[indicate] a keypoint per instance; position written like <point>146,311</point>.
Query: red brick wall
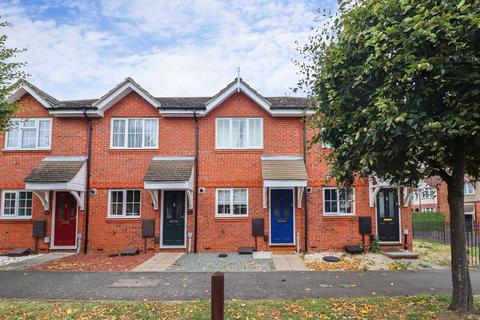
<point>124,169</point>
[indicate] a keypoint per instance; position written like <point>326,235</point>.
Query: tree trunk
<point>462,297</point>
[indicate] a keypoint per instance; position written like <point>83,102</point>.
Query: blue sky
<point>81,49</point>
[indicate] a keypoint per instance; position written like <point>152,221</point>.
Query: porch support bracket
<point>265,191</point>
<point>299,196</point>
<point>373,194</point>
<point>80,197</point>
<point>154,195</point>
<point>407,196</point>
<point>44,199</point>
<point>190,199</point>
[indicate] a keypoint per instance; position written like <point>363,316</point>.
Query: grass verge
<point>412,307</point>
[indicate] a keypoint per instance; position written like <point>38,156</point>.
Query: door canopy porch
<point>170,173</point>
<point>284,172</point>
<point>59,174</point>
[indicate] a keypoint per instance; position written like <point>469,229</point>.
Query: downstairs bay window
<point>338,201</point>
<point>124,203</point>
<point>231,203</point>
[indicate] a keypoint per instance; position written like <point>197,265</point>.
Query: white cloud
<point>169,47</point>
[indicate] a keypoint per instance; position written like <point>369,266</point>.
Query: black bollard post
<point>218,296</point>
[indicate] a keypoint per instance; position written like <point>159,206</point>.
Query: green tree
<point>397,85</point>
<point>10,72</point>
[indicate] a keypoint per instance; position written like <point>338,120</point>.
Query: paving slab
<point>36,261</point>
<point>159,262</point>
<point>262,255</point>
<point>288,262</point>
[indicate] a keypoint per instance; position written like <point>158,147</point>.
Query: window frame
<point>3,216</point>
<point>124,205</point>
<point>466,188</point>
<point>125,145</point>
<point>229,215</point>
<point>247,135</point>
<point>37,134</point>
<point>338,214</point>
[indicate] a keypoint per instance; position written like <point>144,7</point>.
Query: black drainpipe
<point>305,194</point>
<point>195,232</point>
<point>87,193</point>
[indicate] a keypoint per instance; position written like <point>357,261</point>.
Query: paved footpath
<point>239,285</point>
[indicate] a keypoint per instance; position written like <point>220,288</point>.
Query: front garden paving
<point>94,262</point>
<point>211,262</point>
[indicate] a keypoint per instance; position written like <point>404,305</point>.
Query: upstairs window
<point>136,133</point>
<point>239,133</point>
<point>29,134</point>
<point>428,193</point>
<point>17,204</point>
<point>338,201</point>
<point>468,189</point>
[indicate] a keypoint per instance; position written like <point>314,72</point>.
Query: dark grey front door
<point>173,218</point>
<point>388,215</point>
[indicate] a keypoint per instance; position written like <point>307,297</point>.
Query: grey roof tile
<point>284,170</point>
<point>169,170</point>
<point>54,171</point>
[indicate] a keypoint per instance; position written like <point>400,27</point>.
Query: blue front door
<point>281,216</point>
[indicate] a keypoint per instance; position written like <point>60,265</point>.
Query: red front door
<point>65,219</point>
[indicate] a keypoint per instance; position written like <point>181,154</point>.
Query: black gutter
<point>87,193</point>
<point>305,196</point>
<point>195,231</point>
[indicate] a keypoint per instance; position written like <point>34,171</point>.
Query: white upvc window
<point>428,209</point>
<point>124,203</point>
<point>231,203</point>
<point>468,189</point>
<point>338,201</point>
<point>134,133</point>
<point>239,133</point>
<point>428,193</point>
<point>16,204</point>
<point>29,134</point>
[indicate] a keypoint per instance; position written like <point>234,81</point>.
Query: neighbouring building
<point>424,197</point>
<point>471,193</point>
<point>189,173</point>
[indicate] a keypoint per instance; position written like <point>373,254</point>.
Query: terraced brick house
<point>102,174</point>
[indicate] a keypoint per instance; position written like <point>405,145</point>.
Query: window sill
<point>134,149</point>
<point>26,150</point>
<point>339,215</point>
<point>123,218</point>
<point>3,218</point>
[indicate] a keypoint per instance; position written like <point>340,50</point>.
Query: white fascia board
<point>181,113</point>
<point>291,113</point>
<point>284,183</point>
<point>120,93</point>
<point>74,113</point>
<point>53,186</point>
<point>230,91</point>
<point>24,90</point>
<point>166,185</point>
